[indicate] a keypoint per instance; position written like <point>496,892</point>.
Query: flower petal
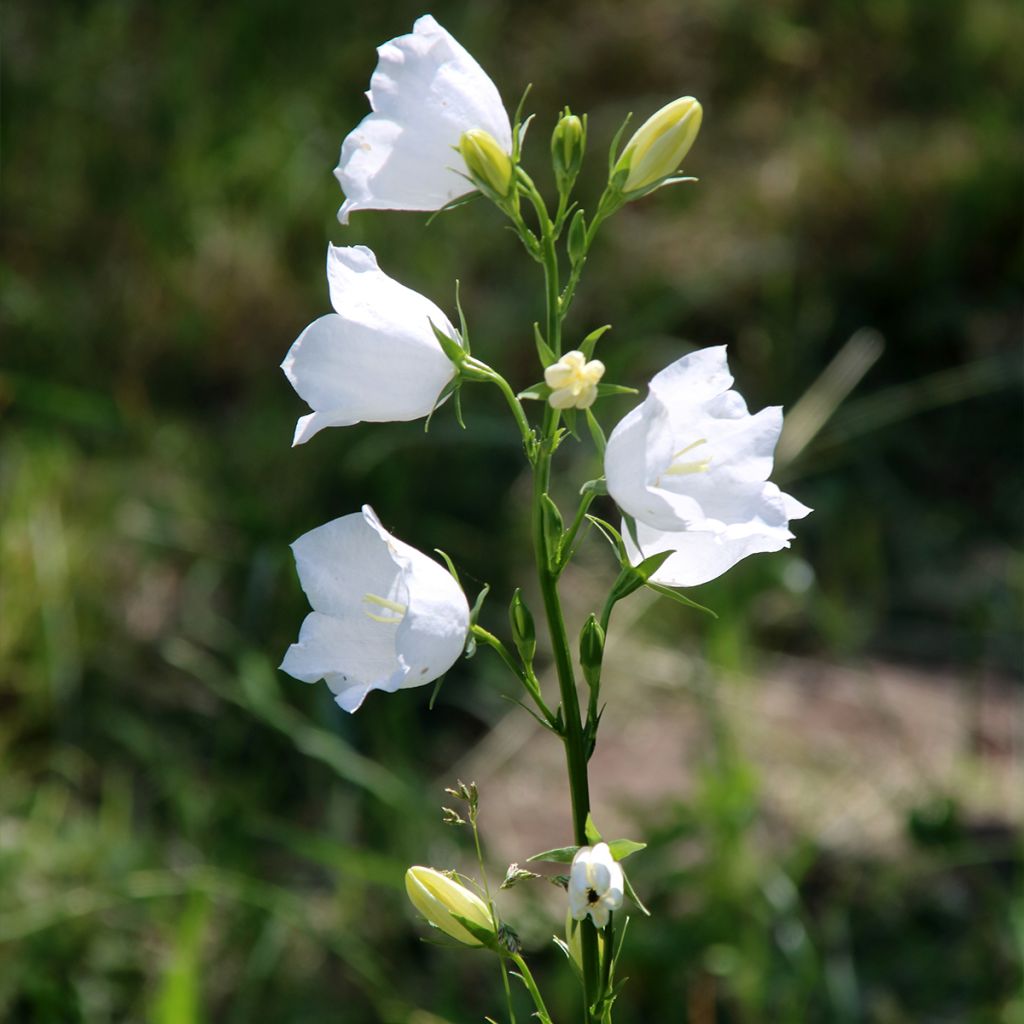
<point>425,92</point>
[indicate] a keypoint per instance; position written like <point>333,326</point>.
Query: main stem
<point>575,749</point>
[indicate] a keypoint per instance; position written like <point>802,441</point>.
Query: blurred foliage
<point>185,834</point>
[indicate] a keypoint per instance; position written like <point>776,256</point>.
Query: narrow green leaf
<point>544,350</point>
<point>611,535</point>
<point>633,896</point>
<point>559,855</point>
<point>603,390</point>
<point>588,343</point>
<point>597,433</point>
<point>537,392</point>
<point>593,836</point>
<point>674,595</point>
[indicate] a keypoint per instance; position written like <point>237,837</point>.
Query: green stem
<point>531,987</point>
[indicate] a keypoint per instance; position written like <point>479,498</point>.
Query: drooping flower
<point>596,884</point>
<point>573,381</point>
<point>691,466</point>
<point>385,616</point>
<point>425,93</point>
<point>375,358</point>
<point>442,900</point>
<point>658,146</point>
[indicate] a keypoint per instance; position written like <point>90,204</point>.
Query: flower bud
<point>658,146</point>
<point>443,902</point>
<point>524,634</point>
<point>577,237</point>
<point>568,141</point>
<point>488,164</point>
<point>591,651</point>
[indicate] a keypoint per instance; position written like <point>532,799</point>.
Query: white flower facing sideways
<point>375,358</point>
<point>595,884</point>
<point>691,466</point>
<point>425,93</point>
<point>385,616</point>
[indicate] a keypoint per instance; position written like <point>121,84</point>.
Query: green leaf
<point>611,535</point>
<point>603,390</point>
<point>559,855</point>
<point>463,327</point>
<point>588,343</point>
<point>593,836</point>
<point>551,520</point>
<point>597,486</point>
<point>623,848</point>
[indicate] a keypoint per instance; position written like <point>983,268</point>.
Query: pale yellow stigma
<point>573,381</point>
<point>391,606</point>
<point>677,468</point>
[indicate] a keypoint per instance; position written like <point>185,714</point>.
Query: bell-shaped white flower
<point>385,616</point>
<point>425,93</point>
<point>596,884</point>
<point>691,466</point>
<point>375,358</point>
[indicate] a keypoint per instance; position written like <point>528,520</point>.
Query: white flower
<point>375,358</point>
<point>385,616</point>
<point>574,381</point>
<point>425,93</point>
<point>691,466</point>
<point>595,884</point>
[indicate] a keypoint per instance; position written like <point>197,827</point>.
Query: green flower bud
<point>591,651</point>
<point>568,141</point>
<point>524,635</point>
<point>658,146</point>
<point>577,237</point>
<point>443,901</point>
<point>488,164</point>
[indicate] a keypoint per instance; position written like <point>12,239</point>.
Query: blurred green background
<point>188,835</point>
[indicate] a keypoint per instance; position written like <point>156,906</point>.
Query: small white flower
<point>691,466</point>
<point>595,884</point>
<point>425,93</point>
<point>573,381</point>
<point>375,358</point>
<point>385,616</point>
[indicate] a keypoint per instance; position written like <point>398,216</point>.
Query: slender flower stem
<point>531,987</point>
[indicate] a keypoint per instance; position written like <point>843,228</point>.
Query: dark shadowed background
<point>829,774</point>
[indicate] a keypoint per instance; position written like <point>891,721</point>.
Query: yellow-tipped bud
<point>443,901</point>
<point>488,164</point>
<point>658,146</point>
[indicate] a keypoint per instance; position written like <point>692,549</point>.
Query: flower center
<point>592,896</point>
<point>680,467</point>
<point>399,610</point>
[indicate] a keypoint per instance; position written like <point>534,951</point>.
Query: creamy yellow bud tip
<point>488,164</point>
<point>659,145</point>
<point>442,900</point>
<point>573,381</point>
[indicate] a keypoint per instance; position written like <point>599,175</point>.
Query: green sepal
<point>590,830</point>
<point>603,390</point>
<point>597,486</point>
<point>524,634</point>
<point>569,418</point>
<point>463,327</point>
<point>453,204</point>
<point>559,855</point>
<point>674,595</point>
<point>440,679</point>
<point>611,535</point>
<point>518,127</point>
<point>597,435</point>
<point>478,931</point>
<point>451,348</point>
<point>588,344</point>
<point>631,893</point>
<point>613,153</point>
<point>544,350</point>
<point>450,564</point>
<point>564,947</point>
<point>623,848</point>
<point>474,612</point>
<point>535,392</point>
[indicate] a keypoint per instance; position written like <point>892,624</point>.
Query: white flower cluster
<point>689,465</point>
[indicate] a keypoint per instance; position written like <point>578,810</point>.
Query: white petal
<point>697,377</point>
<point>599,914</point>
<point>342,561</point>
<point>376,358</point>
<point>701,556</point>
<point>425,93</point>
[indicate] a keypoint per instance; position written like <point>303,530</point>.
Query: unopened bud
<point>591,651</point>
<point>450,906</point>
<point>524,635</point>
<point>568,141</point>
<point>488,164</point>
<point>658,146</point>
<point>577,237</point>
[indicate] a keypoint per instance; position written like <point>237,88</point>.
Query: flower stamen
<point>391,606</point>
<point>677,468</point>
